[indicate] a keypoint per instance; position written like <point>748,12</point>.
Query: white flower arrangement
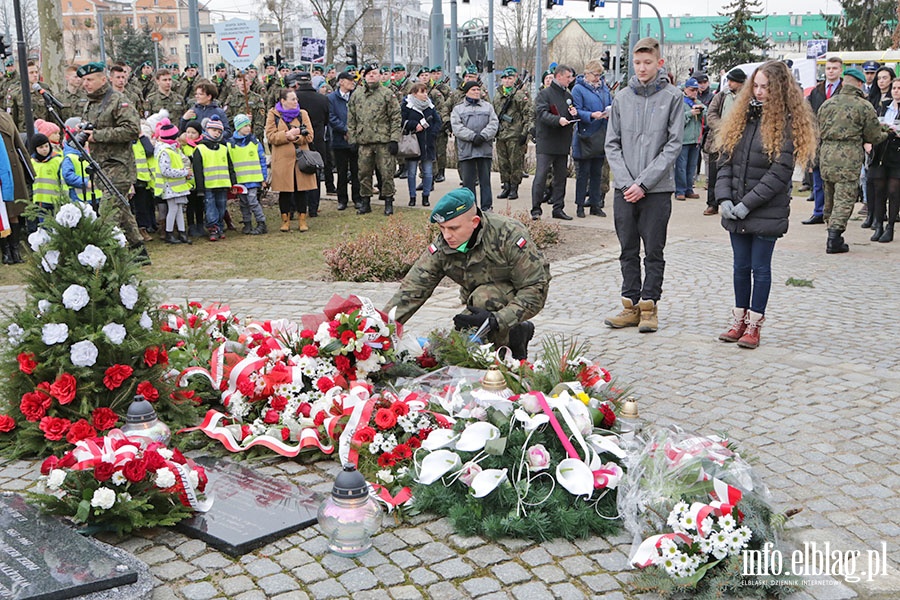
<point>165,478</point>
<point>14,334</point>
<point>55,479</point>
<point>129,295</point>
<point>120,238</point>
<point>50,261</point>
<point>103,498</point>
<point>38,239</point>
<point>69,215</point>
<point>54,333</point>
<point>146,322</point>
<point>115,333</point>
<point>92,257</point>
<point>75,297</point>
<point>84,354</point>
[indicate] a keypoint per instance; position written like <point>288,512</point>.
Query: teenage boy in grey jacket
<point>646,124</point>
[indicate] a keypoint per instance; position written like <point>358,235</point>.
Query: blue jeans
<point>427,176</point>
<point>587,182</point>
<point>752,256</point>
<point>214,201</point>
<point>818,193</point>
<point>686,169</point>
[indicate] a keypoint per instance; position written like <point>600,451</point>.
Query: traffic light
<point>605,60</point>
<point>592,4</point>
<point>278,57</point>
<point>702,61</point>
<point>5,49</point>
<point>352,56</point>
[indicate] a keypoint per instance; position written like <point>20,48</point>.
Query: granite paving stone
<point>278,583</point>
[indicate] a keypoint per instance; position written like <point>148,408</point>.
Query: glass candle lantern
<point>349,517</point>
<point>141,422</point>
<point>630,421</point>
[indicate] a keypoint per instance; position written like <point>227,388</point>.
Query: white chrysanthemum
<point>129,295</point>
<point>119,478</point>
<point>120,238</point>
<point>670,566</point>
<point>166,453</point>
<point>55,479</point>
<point>193,479</point>
<point>103,497</point>
<point>389,443</point>
<point>115,333</point>
<point>165,478</point>
<point>69,215</point>
<point>402,471</point>
<point>38,239</point>
<point>50,261</point>
<point>408,422</point>
<point>706,525</point>
<point>54,333</point>
<point>687,522</point>
<point>92,257</point>
<point>727,522</point>
<point>43,306</point>
<point>75,297</point>
<point>705,545</point>
<point>385,476</point>
<point>88,211</point>
<point>375,444</point>
<point>83,354</point>
<point>14,333</point>
<point>373,363</point>
<point>146,322</point>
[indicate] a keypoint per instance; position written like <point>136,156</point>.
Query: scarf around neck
<point>288,114</point>
<point>419,105</point>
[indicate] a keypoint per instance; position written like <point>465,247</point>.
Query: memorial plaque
<point>41,558</point>
<point>249,510</point>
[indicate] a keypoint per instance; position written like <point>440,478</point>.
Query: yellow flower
<point>583,397</point>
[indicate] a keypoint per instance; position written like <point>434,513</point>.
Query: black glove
<point>474,318</point>
<point>478,139</point>
<point>304,131</point>
<point>523,139</point>
<point>393,148</point>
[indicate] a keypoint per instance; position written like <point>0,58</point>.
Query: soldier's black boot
<point>13,241</point>
<point>342,204</point>
<point>365,205</point>
<point>836,244</point>
<point>388,207</point>
<point>504,193</point>
<point>888,235</point>
<point>879,231</point>
<point>7,251</point>
<point>519,336</point>
<point>513,192</point>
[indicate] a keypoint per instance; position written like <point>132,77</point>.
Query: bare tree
<point>30,25</point>
<point>281,11</point>
<point>339,19</point>
<point>679,60</point>
<point>515,30</point>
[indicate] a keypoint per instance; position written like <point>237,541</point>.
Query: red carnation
<point>400,408</point>
<point>342,363</point>
<point>310,350</point>
<point>246,387</point>
<point>347,337</point>
<point>332,328</point>
<point>103,471</point>
<point>202,479</point>
<point>364,435</point>
<point>146,389</point>
<point>192,321</point>
<point>68,460</point>
<point>54,428</point>
<point>424,433</point>
<point>104,418</point>
<point>194,304</point>
<point>304,409</point>
<point>271,417</point>
<point>135,470</point>
<point>163,356</point>
<point>154,460</point>
<point>387,460</point>
<point>320,418</point>
<point>307,334</point>
<point>324,384</point>
<point>63,389</point>
<point>49,464</point>
<point>385,418</point>
<point>151,356</point>
<point>27,363</point>
<point>80,430</point>
<point>609,417</point>
<point>179,396</point>
<point>7,423</point>
<point>115,375</point>
<point>280,373</point>
<point>285,434</point>
<point>34,406</point>
<point>426,361</point>
<point>402,452</point>
<point>414,442</point>
<point>279,403</point>
<point>363,353</point>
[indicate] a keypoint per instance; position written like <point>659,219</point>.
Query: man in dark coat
<point>316,106</point>
<point>554,117</point>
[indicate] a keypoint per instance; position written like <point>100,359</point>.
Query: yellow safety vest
<point>188,152</point>
<point>48,185</point>
<point>215,166</point>
<point>80,168</point>
<point>179,185</point>
<point>143,163</point>
<point>245,160</point>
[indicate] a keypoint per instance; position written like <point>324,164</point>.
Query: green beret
<point>349,68</point>
<point>329,67</point>
<point>93,67</point>
<point>284,66</point>
<point>509,72</point>
<point>192,66</point>
<point>384,70</point>
<point>471,70</point>
<point>398,68</point>
<point>855,73</point>
<point>270,63</point>
<point>452,205</point>
<point>423,70</point>
<point>174,66</point>
<point>437,69</point>
<point>146,63</point>
<point>221,65</point>
<point>318,68</point>
<point>10,62</point>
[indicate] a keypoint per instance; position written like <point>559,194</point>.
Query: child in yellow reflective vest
<point>143,201</point>
<point>213,174</point>
<point>249,162</point>
<point>196,216</point>
<point>48,189</point>
<point>171,179</point>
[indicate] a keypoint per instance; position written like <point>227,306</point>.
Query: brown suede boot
<point>648,322</point>
<point>738,325</point>
<point>285,223</point>
<point>750,339</point>
<point>303,225</point>
<point>629,317</point>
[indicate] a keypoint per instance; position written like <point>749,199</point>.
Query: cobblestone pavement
<point>816,404</point>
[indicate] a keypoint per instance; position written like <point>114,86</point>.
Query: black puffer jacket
<point>887,153</point>
<point>764,187</point>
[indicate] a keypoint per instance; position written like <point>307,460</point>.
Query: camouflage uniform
<point>116,127</point>
<point>223,85</point>
<point>502,272</point>
<point>514,125</point>
<point>186,88</point>
<point>15,108</point>
<point>373,120</point>
<point>8,79</point>
<point>174,103</point>
<point>141,86</point>
<point>73,104</point>
<point>257,87</point>
<point>253,106</point>
<point>846,122</point>
<point>438,98</point>
<point>275,93</point>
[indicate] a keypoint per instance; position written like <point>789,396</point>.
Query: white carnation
<point>88,211</point>
<point>92,257</point>
<point>129,295</point>
<point>54,333</point>
<point>15,334</point>
<point>69,215</point>
<point>55,479</point>
<point>50,261</point>
<point>165,478</point>
<point>43,306</point>
<point>75,297</point>
<point>385,476</point>
<point>103,497</point>
<point>193,479</point>
<point>146,322</point>
<point>120,238</point>
<point>38,238</point>
<point>83,354</point>
<point>114,332</point>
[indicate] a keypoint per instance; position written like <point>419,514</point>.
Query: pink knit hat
<point>46,127</point>
<point>166,131</point>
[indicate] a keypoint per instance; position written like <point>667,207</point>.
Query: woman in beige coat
<point>288,128</point>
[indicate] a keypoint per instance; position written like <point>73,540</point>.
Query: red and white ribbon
<point>88,453</point>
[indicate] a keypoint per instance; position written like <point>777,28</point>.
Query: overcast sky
<point>231,9</point>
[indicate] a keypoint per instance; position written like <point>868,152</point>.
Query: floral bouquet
<point>113,482</point>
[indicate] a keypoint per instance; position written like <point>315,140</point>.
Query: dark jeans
<point>479,168</point>
<point>345,161</point>
<point>712,173</point>
<point>144,203</point>
<point>196,213</point>
<point>645,221</point>
<point>587,182</point>
<point>752,256</point>
<point>818,193</point>
<point>686,169</point>
<point>558,164</point>
<point>329,168</point>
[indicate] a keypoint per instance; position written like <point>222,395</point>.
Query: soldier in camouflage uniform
<point>164,97</point>
<point>440,88</point>
<point>269,78</point>
<point>256,86</point>
<point>847,122</point>
<point>274,94</point>
<point>14,99</point>
<point>116,127</point>
<point>72,97</point>
<point>503,277</point>
<point>10,76</point>
<point>187,82</point>
<point>515,121</point>
<point>373,125</point>
<point>143,84</point>
<point>399,82</point>
<point>244,101</point>
<point>118,77</point>
<point>223,84</point>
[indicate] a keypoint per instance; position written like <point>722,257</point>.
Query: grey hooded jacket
<point>646,124</point>
<point>466,120</point>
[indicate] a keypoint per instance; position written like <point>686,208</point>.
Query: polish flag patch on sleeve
<point>432,248</point>
<point>521,243</point>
